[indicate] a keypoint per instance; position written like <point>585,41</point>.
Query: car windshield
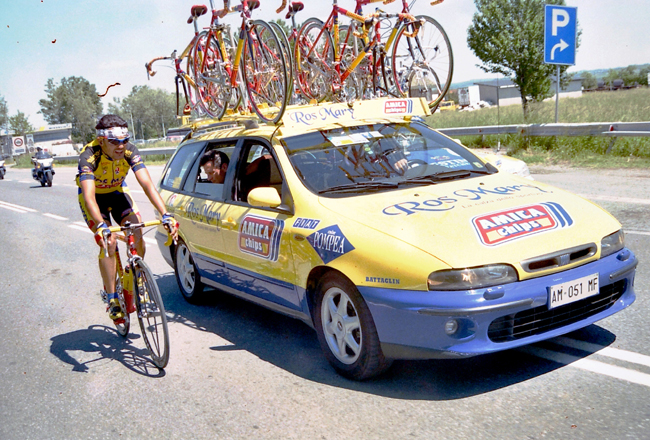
<point>378,157</point>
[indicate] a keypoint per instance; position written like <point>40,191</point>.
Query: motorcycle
<point>43,170</point>
<point>3,170</point>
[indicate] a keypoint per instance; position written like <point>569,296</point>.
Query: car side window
<point>208,174</point>
<point>183,159</point>
<point>258,169</point>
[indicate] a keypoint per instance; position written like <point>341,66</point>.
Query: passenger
<point>214,164</point>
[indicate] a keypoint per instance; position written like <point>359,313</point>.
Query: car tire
<point>346,330</point>
<point>187,276</point>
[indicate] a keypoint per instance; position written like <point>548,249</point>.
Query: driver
<point>103,166</point>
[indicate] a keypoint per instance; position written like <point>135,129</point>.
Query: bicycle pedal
<point>104,296</point>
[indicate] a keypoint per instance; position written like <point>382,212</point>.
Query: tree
<point>75,102</point>
<point>152,111</point>
<point>19,124</point>
<point>4,112</point>
<point>508,37</point>
<point>589,81</point>
<point>612,75</point>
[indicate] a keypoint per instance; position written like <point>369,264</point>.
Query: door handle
<point>229,223</point>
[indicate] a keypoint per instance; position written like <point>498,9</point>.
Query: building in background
<point>55,139</point>
<point>504,92</point>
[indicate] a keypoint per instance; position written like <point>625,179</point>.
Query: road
<point>239,371</point>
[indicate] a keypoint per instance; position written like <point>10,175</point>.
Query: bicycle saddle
<point>253,4</point>
<point>293,8</point>
<point>197,11</point>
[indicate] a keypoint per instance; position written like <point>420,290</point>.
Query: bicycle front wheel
<point>265,72</point>
<point>151,314</point>
<point>422,62</point>
<point>314,60</point>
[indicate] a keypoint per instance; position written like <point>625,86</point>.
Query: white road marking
<point>24,181</point>
<point>11,205</point>
<point>150,240</point>
<point>615,199</point>
<point>637,232</point>
<point>590,365</point>
<point>54,216</point>
<point>11,208</point>
<point>614,353</point>
<point>80,228</point>
<point>80,224</point>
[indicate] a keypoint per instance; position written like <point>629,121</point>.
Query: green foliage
<point>75,102</point>
<point>610,106</point>
<point>4,112</point>
<point>19,124</point>
<point>508,37</point>
<point>589,81</point>
<point>152,112</point>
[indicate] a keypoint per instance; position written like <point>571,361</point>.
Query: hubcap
<point>341,325</point>
<point>185,269</point>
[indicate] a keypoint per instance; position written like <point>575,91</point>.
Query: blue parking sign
<point>560,24</point>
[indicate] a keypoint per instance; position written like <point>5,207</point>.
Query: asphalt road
<point>239,371</point>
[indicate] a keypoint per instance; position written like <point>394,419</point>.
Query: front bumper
<point>411,324</point>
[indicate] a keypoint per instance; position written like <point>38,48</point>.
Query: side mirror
<point>264,197</point>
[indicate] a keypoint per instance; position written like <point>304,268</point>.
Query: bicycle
<point>138,291</point>
<point>258,52</point>
<point>337,56</point>
<point>192,103</point>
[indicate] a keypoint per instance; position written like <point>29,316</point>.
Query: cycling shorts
<point>119,204</point>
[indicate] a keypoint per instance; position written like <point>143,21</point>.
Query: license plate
<point>572,291</point>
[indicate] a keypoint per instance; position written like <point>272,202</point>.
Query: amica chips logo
<point>502,226</point>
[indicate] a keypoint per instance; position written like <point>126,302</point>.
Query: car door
<point>256,240</point>
<point>201,212</point>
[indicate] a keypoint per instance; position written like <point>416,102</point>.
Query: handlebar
<point>436,2</point>
<point>132,227</point>
<point>284,3</point>
<point>150,71</point>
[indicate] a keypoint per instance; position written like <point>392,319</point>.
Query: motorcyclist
<point>40,154</point>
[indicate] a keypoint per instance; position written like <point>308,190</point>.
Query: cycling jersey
<point>111,192</point>
<point>108,174</point>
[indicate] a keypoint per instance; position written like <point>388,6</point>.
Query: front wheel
<point>151,314</point>
<point>346,330</point>
<point>48,178</point>
<point>187,276</point>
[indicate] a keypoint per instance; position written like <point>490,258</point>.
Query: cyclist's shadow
<point>99,343</point>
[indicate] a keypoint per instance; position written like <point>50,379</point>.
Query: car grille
<point>540,319</point>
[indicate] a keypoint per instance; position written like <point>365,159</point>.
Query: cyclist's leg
<point>125,210</point>
<point>106,264</point>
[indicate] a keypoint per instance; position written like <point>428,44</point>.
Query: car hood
<point>471,222</point>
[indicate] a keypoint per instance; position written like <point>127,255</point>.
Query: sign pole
<point>557,94</point>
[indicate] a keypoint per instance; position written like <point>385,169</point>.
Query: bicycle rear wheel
<point>286,51</point>
<point>314,60</point>
<point>151,314</point>
<point>422,65</point>
<point>212,80</point>
<point>265,72</point>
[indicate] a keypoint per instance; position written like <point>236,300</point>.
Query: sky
<point>109,41</point>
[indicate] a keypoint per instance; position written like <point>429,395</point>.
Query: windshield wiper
<point>360,186</point>
<point>439,177</point>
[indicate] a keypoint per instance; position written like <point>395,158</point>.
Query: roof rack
<point>201,127</point>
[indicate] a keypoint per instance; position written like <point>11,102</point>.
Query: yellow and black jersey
<point>108,174</point>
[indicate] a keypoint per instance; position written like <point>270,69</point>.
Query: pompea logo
<point>503,226</point>
<point>398,106</point>
<point>330,243</point>
<point>260,236</point>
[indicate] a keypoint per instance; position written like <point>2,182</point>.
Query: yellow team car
<point>390,239</point>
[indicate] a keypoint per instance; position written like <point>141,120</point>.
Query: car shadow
<point>292,345</point>
<point>100,344</point>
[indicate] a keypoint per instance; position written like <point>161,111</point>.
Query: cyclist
<point>103,166</point>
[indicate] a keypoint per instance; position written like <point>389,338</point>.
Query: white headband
<point>113,132</point>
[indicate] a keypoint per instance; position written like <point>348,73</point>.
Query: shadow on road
<point>292,345</point>
<point>100,343</point>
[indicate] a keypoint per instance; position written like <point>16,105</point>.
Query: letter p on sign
<point>560,19</point>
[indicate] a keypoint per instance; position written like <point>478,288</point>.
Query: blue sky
<point>109,41</point>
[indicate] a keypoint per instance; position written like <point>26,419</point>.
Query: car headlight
<point>472,278</point>
<point>612,243</point>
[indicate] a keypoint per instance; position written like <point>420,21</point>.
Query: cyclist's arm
<point>88,191</point>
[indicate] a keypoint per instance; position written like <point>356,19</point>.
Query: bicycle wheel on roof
<point>210,75</point>
<point>422,61</point>
<point>314,60</point>
<point>265,72</point>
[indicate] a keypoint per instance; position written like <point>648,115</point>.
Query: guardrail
<point>607,129</point>
<point>143,152</point>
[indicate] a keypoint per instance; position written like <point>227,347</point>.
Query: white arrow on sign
<point>561,45</point>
